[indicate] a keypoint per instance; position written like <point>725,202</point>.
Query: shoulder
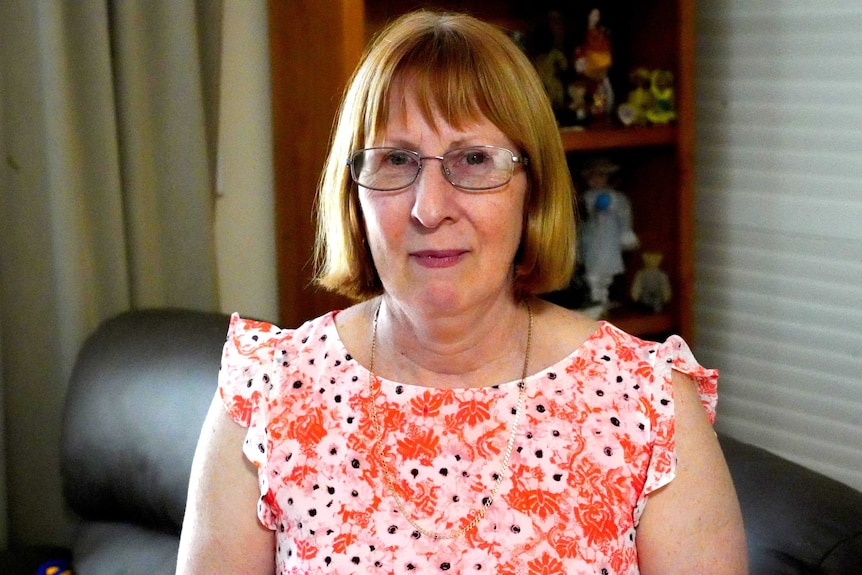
<point>251,337</point>
<point>253,341</point>
<point>248,348</point>
<point>253,347</point>
<point>558,332</point>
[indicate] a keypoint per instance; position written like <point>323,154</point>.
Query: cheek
<point>508,220</point>
<point>382,220</point>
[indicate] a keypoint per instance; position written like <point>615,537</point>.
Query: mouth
<point>438,258</point>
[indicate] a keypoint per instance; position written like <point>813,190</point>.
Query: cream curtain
<point>107,134</point>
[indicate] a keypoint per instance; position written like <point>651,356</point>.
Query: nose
<point>433,195</point>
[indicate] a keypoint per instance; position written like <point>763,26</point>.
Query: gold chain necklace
<point>504,468</point>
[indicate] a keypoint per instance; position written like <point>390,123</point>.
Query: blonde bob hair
<point>461,70</point>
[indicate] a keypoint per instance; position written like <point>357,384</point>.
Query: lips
<point>438,258</point>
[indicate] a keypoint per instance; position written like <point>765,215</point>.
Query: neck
<point>484,346</point>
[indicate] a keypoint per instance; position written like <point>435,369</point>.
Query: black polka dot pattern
<point>591,432</point>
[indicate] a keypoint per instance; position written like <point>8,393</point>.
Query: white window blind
<point>779,225</point>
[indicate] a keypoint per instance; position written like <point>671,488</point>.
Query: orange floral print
<point>597,521</point>
<point>542,503</point>
<point>547,565</point>
<point>428,404</point>
<point>305,550</point>
<point>343,542</point>
<point>309,430</point>
<point>420,445</point>
<point>472,413</point>
<point>596,438</point>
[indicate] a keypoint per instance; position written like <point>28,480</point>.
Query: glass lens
<point>384,168</point>
<point>476,168</point>
<point>479,168</point>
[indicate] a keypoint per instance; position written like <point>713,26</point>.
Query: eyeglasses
<point>472,169</point>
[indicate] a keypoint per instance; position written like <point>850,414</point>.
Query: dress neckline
<point>390,385</point>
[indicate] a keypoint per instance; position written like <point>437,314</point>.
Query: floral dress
<point>595,438</point>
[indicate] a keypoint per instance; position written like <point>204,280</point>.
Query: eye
<point>399,158</point>
<point>475,157</point>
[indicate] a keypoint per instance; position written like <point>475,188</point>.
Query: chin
<point>444,297</point>
<point>454,297</point>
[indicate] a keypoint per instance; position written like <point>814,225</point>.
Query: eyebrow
<point>453,145</point>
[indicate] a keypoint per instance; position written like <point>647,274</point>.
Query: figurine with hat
<point>606,231</point>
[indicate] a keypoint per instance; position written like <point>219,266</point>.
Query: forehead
<point>413,114</point>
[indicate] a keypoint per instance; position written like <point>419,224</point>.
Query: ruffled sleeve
<point>245,384</point>
<point>673,354</point>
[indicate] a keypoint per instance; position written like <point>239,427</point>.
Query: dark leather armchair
<point>138,396</point>
<point>797,521</point>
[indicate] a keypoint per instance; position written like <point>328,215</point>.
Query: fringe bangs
<point>440,71</point>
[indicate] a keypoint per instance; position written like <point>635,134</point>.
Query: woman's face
<point>436,246</point>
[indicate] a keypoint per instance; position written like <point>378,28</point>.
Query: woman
<point>451,420</point>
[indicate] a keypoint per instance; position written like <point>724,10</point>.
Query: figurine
<point>663,108</point>
<point>577,107</point>
<point>606,231</point>
<point>551,62</point>
<point>651,286</point>
<point>55,567</point>
<point>549,66</point>
<point>634,111</point>
<point>593,61</point>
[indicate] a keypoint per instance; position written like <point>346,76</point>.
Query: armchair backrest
<point>138,395</point>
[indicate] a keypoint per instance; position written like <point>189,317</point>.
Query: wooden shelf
<point>588,139</point>
<point>642,324</point>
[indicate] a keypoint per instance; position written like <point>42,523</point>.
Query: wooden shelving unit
<point>599,139</point>
<point>316,44</point>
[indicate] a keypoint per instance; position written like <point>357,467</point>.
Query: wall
<point>779,172</point>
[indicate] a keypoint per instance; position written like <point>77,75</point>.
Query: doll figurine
<point>550,66</point>
<point>606,231</point>
<point>593,61</point>
<point>663,108</point>
<point>55,567</point>
<point>551,62</point>
<point>634,111</point>
<point>577,106</point>
<point>651,286</point>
